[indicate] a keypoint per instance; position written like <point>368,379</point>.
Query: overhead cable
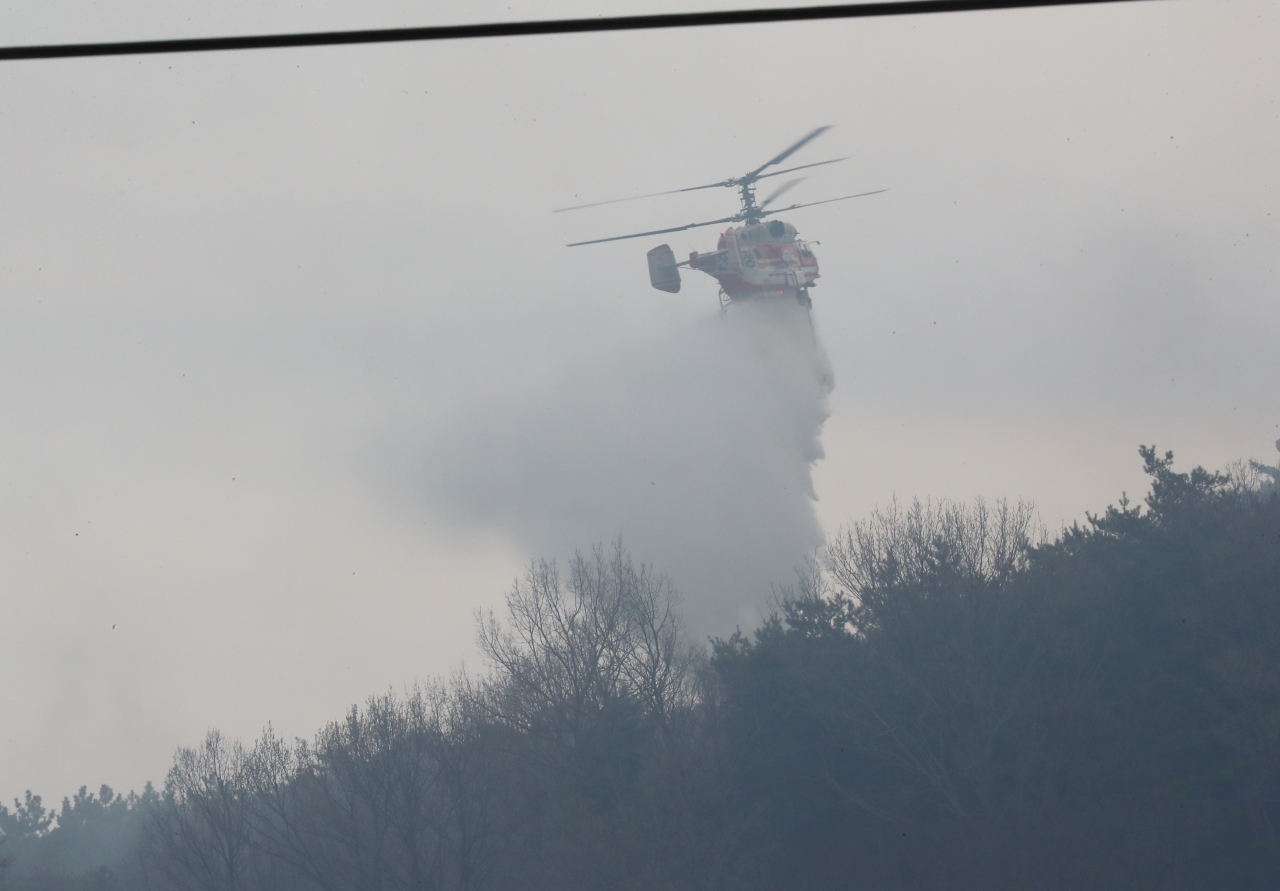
<point>524,29</point>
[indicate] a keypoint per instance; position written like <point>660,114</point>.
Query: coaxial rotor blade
<point>789,152</point>
<point>655,232</point>
<point>730,183</point>
<point>801,167</point>
<point>769,213</point>
<point>781,190</point>
<point>650,195</point>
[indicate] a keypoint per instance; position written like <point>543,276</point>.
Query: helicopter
<point>759,259</point>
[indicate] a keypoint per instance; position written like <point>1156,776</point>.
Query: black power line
<point>522,29</point>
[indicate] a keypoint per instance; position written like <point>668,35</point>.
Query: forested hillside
<point>946,699</point>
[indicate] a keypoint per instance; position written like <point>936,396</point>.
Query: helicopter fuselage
<point>760,260</point>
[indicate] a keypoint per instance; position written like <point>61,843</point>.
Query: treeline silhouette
<point>946,699</point>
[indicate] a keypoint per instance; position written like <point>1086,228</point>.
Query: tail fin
<point>663,272</point>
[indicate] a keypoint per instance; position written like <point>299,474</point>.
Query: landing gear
<point>724,302</point>
<point>802,297</point>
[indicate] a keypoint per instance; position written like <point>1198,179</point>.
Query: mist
<point>697,448</point>
<point>295,350</point>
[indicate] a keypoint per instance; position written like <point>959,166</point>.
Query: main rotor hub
<point>751,212</point>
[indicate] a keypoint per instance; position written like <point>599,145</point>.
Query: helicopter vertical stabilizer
<point>663,272</point>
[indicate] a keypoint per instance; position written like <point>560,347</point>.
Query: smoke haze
<point>696,449</point>
<point>265,316</point>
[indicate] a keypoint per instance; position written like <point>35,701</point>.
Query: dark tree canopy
<point>946,698</point>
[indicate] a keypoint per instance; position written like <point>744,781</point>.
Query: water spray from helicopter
<point>696,446</point>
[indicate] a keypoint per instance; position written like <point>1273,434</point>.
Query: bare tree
<point>284,813</point>
<point>476,804</point>
<point>351,786</point>
<point>900,545</point>
<point>401,794</point>
<point>1254,476</point>
<point>950,674</point>
<point>571,651</point>
<point>593,676</point>
<point>201,830</point>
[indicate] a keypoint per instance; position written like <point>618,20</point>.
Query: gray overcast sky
<point>297,372</point>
